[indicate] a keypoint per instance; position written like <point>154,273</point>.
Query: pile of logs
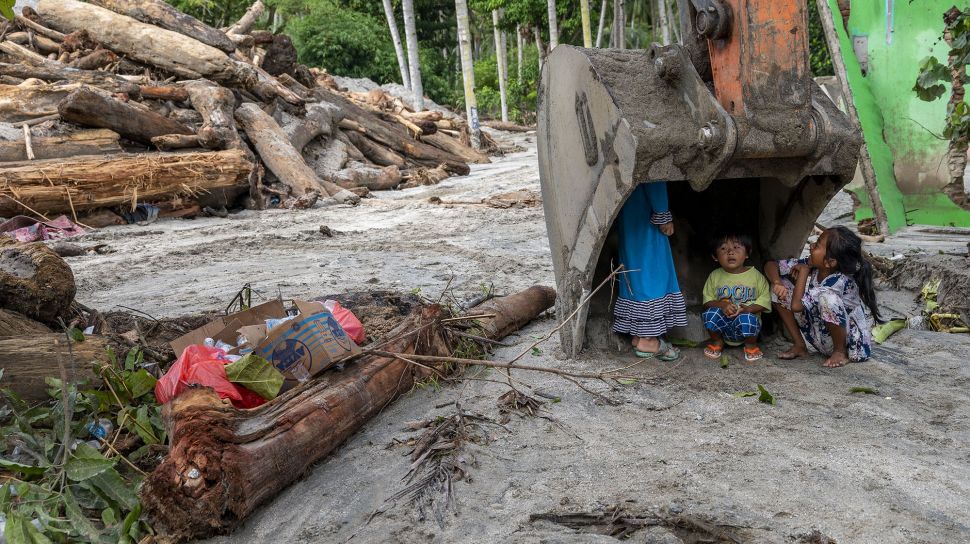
<point>114,102</point>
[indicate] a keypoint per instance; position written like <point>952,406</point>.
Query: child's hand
<point>780,291</point>
<point>667,229</point>
<point>799,270</point>
<point>731,310</point>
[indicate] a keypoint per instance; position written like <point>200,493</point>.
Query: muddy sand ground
<point>822,463</point>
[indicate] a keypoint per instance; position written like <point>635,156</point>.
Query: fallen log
<point>456,148</point>
<point>224,462</point>
<point>83,142</point>
<point>34,281</point>
<point>25,102</point>
<point>26,23</point>
<point>29,360</point>
<point>89,182</point>
<point>175,94</point>
<point>162,15</point>
<point>99,58</point>
<point>279,155</point>
<point>508,127</point>
<point>90,107</point>
<point>181,55</point>
<point>15,324</point>
<point>325,157</point>
<point>248,19</point>
<point>56,71</point>
<point>375,152</point>
<point>513,312</point>
<point>374,179</point>
<point>216,105</point>
<point>318,122</point>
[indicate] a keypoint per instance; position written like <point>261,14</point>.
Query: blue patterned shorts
<point>739,328</point>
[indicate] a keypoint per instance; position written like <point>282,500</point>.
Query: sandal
<point>753,353</point>
<point>665,352</point>
<point>713,351</point>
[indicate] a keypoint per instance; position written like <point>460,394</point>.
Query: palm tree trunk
<point>519,42</point>
<point>599,28</point>
<point>584,16</point>
<point>539,46</point>
<point>663,22</point>
<point>414,63</point>
<point>468,72</point>
<point>619,25</point>
<point>553,25</point>
<point>398,50</point>
<point>500,62</point>
<point>674,23</point>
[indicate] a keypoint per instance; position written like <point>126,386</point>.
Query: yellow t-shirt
<point>749,287</point>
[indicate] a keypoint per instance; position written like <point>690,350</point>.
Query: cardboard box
<point>300,348</point>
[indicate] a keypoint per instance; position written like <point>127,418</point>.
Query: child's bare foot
<point>648,345</point>
<point>635,340</point>
<point>795,352</point>
<point>836,360</point>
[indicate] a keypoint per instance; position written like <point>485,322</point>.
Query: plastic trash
<point>348,321</point>
<point>206,366</point>
<point>100,429</point>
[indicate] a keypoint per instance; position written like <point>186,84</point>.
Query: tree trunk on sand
<point>500,57</point>
<point>282,158</point>
<point>82,142</point>
<point>34,281</point>
<point>553,24</point>
<point>167,50</point>
<point>246,457</point>
<point>587,31</point>
<point>374,152</point>
<point>599,27</point>
<point>414,61</point>
<point>468,73</point>
<point>619,24</point>
<point>162,15</point>
<point>16,324</point>
<point>248,19</point>
<point>514,311</point>
<point>663,22</point>
<point>95,108</point>
<point>374,179</point>
<point>28,360</point>
<point>402,64</point>
<point>88,182</point>
<point>19,103</point>
<point>455,147</point>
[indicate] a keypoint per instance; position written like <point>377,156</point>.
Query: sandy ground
<point>822,462</point>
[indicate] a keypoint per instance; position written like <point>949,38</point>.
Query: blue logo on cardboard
<point>290,353</point>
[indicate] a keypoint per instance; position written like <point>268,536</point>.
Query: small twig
<point>123,458</point>
<point>495,364</point>
<point>466,318</point>
<point>28,144</point>
<point>477,338</point>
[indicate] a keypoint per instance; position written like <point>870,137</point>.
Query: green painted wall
<point>898,127</point>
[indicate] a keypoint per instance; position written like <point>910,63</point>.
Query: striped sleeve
<point>661,218</point>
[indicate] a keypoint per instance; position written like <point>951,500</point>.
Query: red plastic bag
<point>347,320</point>
<point>206,366</point>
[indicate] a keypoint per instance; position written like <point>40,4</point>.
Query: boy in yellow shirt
<point>735,295</point>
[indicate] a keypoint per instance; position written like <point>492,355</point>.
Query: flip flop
<point>665,352</point>
<point>713,351</point>
<point>753,353</point>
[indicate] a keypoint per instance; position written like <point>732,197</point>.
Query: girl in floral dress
<point>827,300</point>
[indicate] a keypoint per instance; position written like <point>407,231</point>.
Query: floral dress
<point>835,300</point>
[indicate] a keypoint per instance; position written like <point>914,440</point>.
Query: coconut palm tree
<point>618,36</point>
<point>553,25</point>
<point>599,28</point>
<point>501,62</point>
<point>663,22</point>
<point>411,35</point>
<point>468,72</point>
<point>584,15</point>
<point>398,50</point>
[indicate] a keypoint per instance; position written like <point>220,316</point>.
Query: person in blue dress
<point>649,302</point>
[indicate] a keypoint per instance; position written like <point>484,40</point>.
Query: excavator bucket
<point>762,153</point>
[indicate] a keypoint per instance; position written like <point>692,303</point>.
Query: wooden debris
<point>34,281</point>
<point>162,15</point>
<point>89,107</point>
<point>29,360</point>
<point>82,142</point>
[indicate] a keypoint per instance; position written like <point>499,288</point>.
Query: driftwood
<point>87,182</point>
<point>170,51</point>
<point>513,312</point>
<point>374,179</point>
<point>89,107</point>
<point>224,462</point>
<point>456,148</point>
<point>55,71</point>
<point>15,324</point>
<point>83,142</point>
<point>282,158</point>
<point>216,105</point>
<point>28,360</point>
<point>248,19</point>
<point>26,23</point>
<point>98,58</point>
<point>318,122</point>
<point>176,94</point>
<point>508,127</point>
<point>162,15</point>
<point>34,281</point>
<point>23,102</point>
<point>374,152</point>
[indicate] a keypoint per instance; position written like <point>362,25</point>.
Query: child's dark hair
<point>729,236</point>
<point>845,247</point>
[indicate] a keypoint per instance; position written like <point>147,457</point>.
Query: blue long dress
<point>649,302</point>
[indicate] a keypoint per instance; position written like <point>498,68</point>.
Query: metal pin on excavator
<point>731,118</point>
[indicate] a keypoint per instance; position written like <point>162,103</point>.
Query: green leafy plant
<point>62,482</point>
<point>933,74</point>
